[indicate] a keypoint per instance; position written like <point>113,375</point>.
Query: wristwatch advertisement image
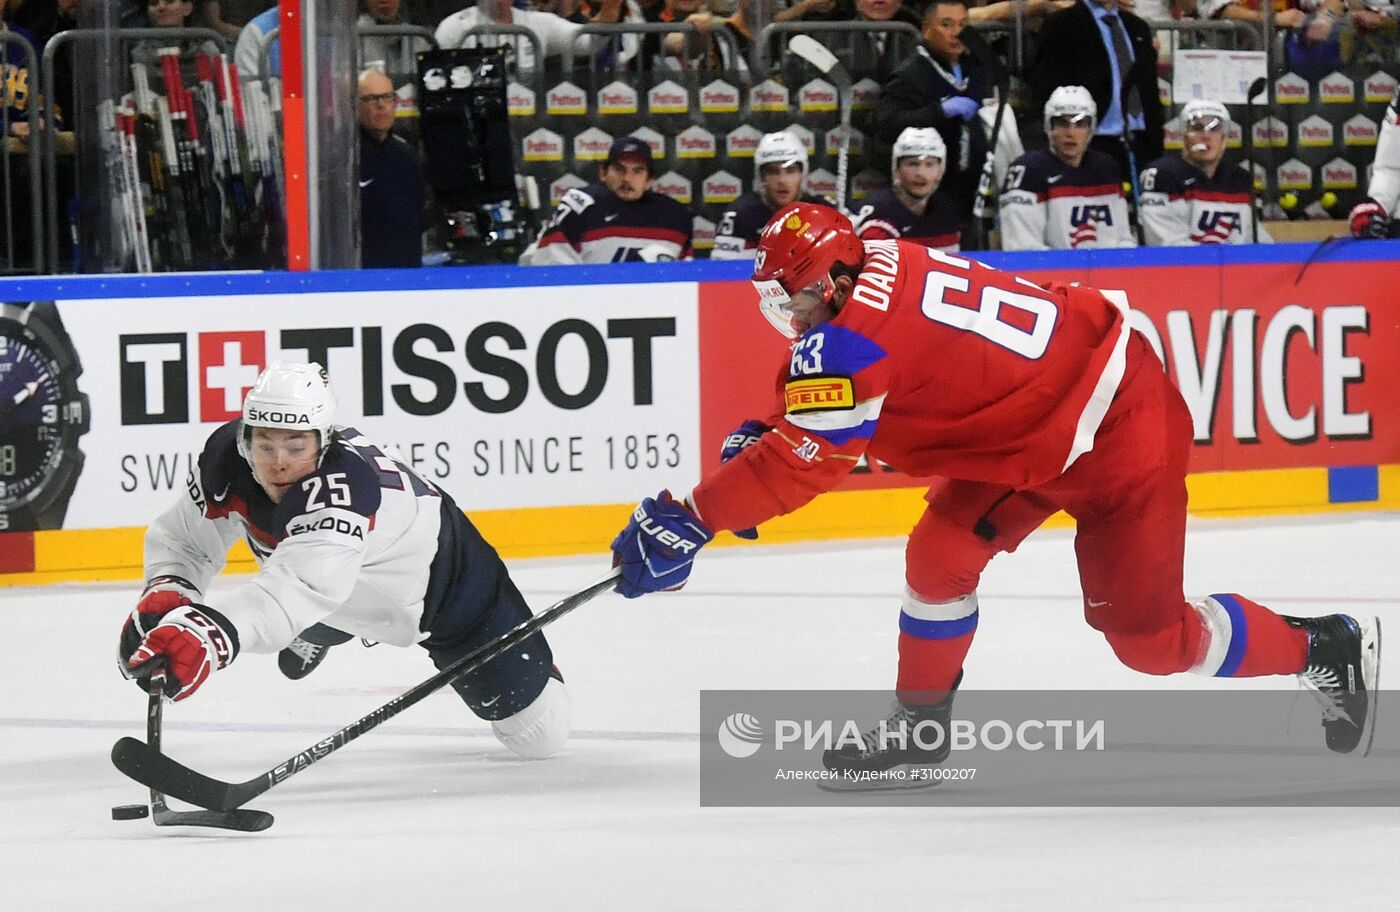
<point>42,415</point>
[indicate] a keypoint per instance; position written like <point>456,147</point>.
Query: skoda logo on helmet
<point>759,258</point>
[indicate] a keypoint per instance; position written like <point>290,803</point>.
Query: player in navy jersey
<point>620,219</point>
<point>911,208</point>
<point>1191,198</point>
<point>1374,216</point>
<point>349,541</point>
<point>779,178</point>
<point>1067,196</point>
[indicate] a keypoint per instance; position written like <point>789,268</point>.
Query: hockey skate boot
<point>897,752</point>
<point>1342,671</point>
<point>300,658</point>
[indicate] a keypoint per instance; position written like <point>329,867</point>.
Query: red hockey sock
<point>929,665</point>
<point>1249,640</point>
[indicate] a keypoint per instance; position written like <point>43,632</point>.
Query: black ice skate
<point>1343,670</point>
<point>300,658</point>
<point>899,753</point>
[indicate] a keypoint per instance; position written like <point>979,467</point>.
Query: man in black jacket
<point>1108,51</point>
<point>391,182</point>
<point>940,86</point>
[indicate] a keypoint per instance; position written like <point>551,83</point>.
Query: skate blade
<point>905,777</point>
<point>1371,675</point>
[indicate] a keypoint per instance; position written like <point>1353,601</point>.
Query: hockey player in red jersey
<point>1022,400</point>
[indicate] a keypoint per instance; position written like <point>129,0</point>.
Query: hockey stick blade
<point>246,820</point>
<point>810,50</point>
<point>146,764</point>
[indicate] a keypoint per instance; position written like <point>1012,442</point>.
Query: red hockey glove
<point>1368,220</point>
<point>190,643</point>
<point>162,595</point>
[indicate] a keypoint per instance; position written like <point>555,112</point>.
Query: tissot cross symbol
<point>232,376</point>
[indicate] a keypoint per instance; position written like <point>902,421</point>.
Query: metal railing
<point>618,29</point>
<point>36,215</point>
<point>50,150</point>
<point>762,64</point>
<point>520,31</point>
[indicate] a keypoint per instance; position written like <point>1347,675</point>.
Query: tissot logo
<point>229,363</point>
<point>153,373</point>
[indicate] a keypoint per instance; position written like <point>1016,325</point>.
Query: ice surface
<point>429,812</point>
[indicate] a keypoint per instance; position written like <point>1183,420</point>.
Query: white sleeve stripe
<point>956,610</point>
<point>842,419</point>
<point>1104,391</point>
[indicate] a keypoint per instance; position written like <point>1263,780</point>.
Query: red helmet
<point>796,252</point>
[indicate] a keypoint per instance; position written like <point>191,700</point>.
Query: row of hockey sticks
<point>193,174</point>
<point>145,763</point>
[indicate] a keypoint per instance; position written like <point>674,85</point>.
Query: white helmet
<point>781,148</point>
<point>1200,108</point>
<point>289,397</point>
<point>917,142</point>
<point>1071,101</point>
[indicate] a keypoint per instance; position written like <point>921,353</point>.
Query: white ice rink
<point>428,812</point>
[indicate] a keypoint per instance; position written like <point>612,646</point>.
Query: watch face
<point>31,409</point>
<point>41,415</point>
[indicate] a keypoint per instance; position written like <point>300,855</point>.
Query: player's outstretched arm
<point>656,548</point>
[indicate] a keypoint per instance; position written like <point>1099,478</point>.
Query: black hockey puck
<point>130,812</point>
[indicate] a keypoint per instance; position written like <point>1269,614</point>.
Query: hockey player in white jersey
<point>349,541</point>
<point>779,179</point>
<point>911,208</point>
<point>1068,196</point>
<point>1190,198</point>
<point>1374,217</point>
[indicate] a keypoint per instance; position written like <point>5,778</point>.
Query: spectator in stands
<point>780,178</point>
<point>739,28</point>
<point>248,52</point>
<point>619,219</point>
<point>912,209</point>
<point>943,87</point>
<point>1110,52</point>
<point>872,54</point>
<point>396,53</point>
<point>1375,216</point>
<point>211,14</point>
<point>1192,198</point>
<point>1068,196</point>
<point>555,33</point>
<point>665,52</point>
<point>391,182</point>
<point>171,14</point>
<point>17,92</point>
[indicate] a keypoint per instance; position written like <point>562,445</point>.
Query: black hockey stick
<point>245,819</point>
<point>983,209</point>
<point>147,765</point>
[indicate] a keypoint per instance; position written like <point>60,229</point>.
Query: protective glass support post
<point>289,29</point>
<point>331,78</point>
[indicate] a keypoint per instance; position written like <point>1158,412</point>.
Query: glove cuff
<point>216,630</point>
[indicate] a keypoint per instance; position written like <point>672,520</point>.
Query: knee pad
<point>1167,650</point>
<point>540,729</point>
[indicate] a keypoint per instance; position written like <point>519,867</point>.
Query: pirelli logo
<point>819,394</point>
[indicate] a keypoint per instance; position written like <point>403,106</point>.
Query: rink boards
<point>547,401</point>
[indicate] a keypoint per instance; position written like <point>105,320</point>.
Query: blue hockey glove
<point>657,547</point>
<point>745,435</point>
<point>959,107</point>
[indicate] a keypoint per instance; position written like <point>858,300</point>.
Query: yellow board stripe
<point>115,554</point>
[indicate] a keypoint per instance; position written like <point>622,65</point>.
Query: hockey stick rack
<point>244,819</point>
<point>145,763</point>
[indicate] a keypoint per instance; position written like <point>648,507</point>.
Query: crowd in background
<point>1106,49</point>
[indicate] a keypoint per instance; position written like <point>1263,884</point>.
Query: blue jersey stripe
<point>937,630</point>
